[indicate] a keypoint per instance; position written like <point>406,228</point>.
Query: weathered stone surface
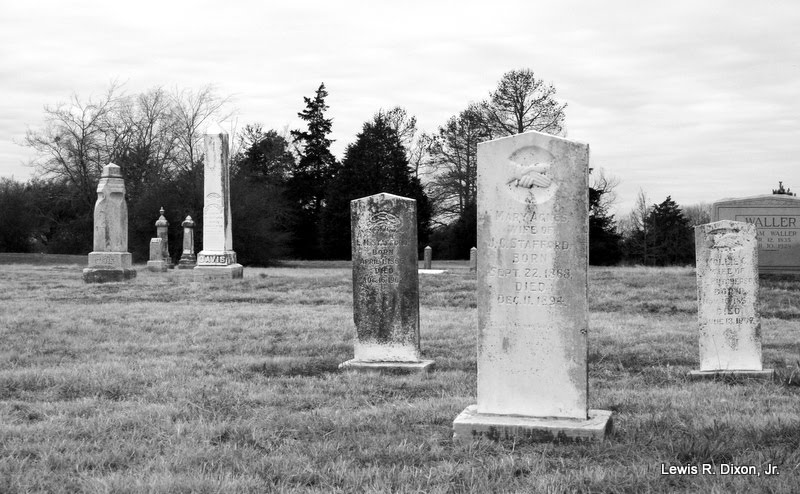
<point>532,293</point>
<point>110,261</point>
<point>471,425</point>
<point>157,263</point>
<point>473,259</point>
<point>532,276</point>
<point>727,294</point>
<point>777,221</point>
<point>188,259</point>
<point>162,232</point>
<point>427,257</point>
<point>217,250</point>
<point>385,279</point>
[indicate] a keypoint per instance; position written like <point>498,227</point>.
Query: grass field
<point>164,384</point>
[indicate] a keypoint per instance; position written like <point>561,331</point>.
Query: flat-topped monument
<point>777,221</point>
<point>217,259</point>
<point>533,242</point>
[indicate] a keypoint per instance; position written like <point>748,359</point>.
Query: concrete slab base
<point>358,365</point>
<point>94,275</point>
<point>231,271</point>
<point>432,271</point>
<point>736,375</point>
<point>471,425</point>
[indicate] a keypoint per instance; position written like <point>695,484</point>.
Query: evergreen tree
<point>375,163</point>
<point>262,213</point>
<point>672,237</point>
<point>604,240</point>
<point>312,174</point>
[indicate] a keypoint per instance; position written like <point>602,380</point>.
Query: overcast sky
<point>699,100</point>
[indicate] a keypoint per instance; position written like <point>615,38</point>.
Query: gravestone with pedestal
<point>532,293</point>
<point>188,259</point>
<point>727,295</point>
<point>110,259</point>
<point>162,232</point>
<point>385,284</point>
<point>217,259</point>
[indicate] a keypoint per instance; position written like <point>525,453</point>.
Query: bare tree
<point>72,145</point>
<point>417,145</point>
<point>521,103</point>
<point>454,164</point>
<point>698,214</point>
<point>192,112</point>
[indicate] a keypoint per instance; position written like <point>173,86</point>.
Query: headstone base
<point>360,365</point>
<point>735,375</point>
<point>157,266</point>
<point>431,271</point>
<point>106,275</point>
<point>187,262</point>
<point>471,425</point>
<point>231,271</point>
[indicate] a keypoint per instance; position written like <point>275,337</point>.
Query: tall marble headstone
<point>217,259</point>
<point>727,294</point>
<point>532,250</point>
<point>110,259</point>
<point>188,258</point>
<point>162,232</point>
<point>385,284</point>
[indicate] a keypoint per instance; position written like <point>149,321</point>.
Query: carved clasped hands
<point>529,176</point>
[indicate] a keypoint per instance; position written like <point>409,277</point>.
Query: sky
<point>698,100</point>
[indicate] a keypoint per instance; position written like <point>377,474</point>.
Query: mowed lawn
<point>164,384</point>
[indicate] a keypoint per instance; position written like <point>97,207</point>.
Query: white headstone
<point>727,294</point>
<point>532,291</point>
<point>217,259</point>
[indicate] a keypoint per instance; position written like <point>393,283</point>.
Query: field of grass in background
<point>165,385</point>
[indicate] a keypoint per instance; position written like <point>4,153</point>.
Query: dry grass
<point>168,385</point>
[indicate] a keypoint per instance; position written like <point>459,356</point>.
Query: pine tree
<point>312,174</point>
<point>672,238</point>
<point>375,163</point>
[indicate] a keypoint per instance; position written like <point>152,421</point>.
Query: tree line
<point>290,195</point>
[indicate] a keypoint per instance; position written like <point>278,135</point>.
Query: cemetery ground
<point>164,384</point>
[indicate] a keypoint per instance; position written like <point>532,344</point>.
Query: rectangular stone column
<point>217,259</point>
<point>385,284</point>
<point>532,293</point>
<point>727,294</point>
<point>110,259</point>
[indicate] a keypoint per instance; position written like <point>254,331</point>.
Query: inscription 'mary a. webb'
<point>532,284</point>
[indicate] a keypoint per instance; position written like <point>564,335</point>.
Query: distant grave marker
<point>188,259</point>
<point>162,232</point>
<point>385,284</point>
<point>473,260</point>
<point>427,257</point>
<point>157,263</point>
<point>110,259</point>
<point>217,259</point>
<point>727,293</point>
<point>777,221</point>
<point>532,293</point>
